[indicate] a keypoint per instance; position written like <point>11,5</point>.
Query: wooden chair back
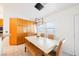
<point>58,49</point>
<point>42,35</point>
<point>51,36</point>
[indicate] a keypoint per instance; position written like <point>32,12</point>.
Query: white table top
<point>45,44</point>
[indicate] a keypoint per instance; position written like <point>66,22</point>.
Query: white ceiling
<point>28,10</point>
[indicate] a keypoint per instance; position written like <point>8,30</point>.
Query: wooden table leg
<point>25,48</point>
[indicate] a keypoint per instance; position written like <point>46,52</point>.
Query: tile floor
<point>18,50</point>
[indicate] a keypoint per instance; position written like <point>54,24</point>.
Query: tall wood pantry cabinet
<point>19,29</point>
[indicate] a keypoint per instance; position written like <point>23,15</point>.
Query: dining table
<point>44,44</point>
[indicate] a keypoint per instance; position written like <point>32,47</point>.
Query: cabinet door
<point>1,22</point>
<point>76,35</point>
<point>13,32</point>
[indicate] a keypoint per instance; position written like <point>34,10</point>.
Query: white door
<point>76,35</point>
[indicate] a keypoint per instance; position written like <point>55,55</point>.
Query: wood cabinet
<point>19,29</point>
<point>1,22</point>
<point>1,26</point>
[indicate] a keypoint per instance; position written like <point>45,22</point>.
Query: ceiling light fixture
<point>39,6</point>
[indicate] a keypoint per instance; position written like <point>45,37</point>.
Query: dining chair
<point>51,36</point>
<point>57,51</point>
<point>42,35</point>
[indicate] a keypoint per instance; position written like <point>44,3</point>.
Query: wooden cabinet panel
<point>1,22</point>
<point>1,26</point>
<point>18,31</point>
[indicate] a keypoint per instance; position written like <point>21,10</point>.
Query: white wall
<point>7,15</point>
<point>1,12</point>
<point>64,24</point>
